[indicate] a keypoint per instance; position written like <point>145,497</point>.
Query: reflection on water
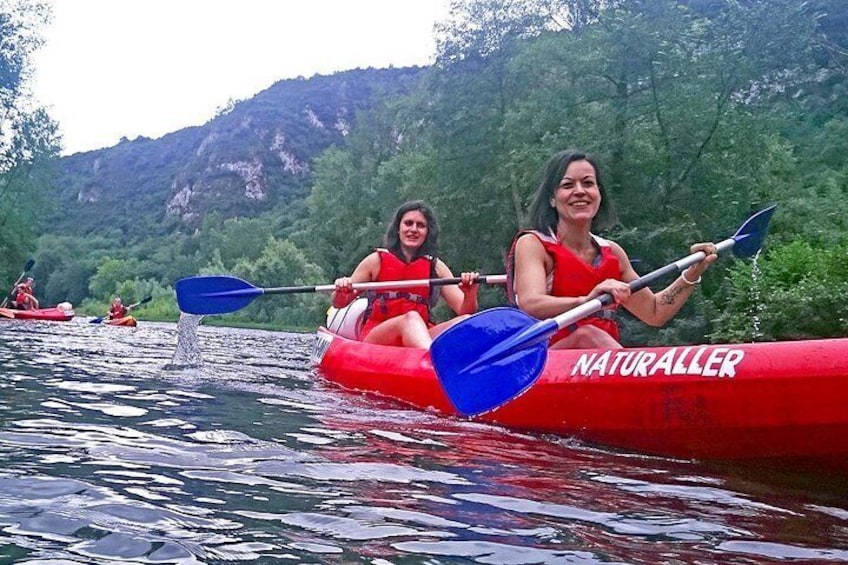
<point>113,450</point>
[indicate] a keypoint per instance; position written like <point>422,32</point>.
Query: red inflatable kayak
<point>763,401</point>
<point>45,314</point>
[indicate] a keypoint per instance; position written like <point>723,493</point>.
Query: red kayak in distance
<point>755,402</point>
<point>64,312</point>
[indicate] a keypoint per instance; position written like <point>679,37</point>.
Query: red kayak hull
<point>765,401</point>
<point>45,314</point>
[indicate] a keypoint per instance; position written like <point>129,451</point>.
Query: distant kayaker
<point>559,263</point>
<point>117,309</point>
<point>403,317</point>
<point>24,295</point>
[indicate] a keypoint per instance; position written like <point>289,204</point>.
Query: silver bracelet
<point>687,281</point>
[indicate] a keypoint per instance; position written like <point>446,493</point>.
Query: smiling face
<point>412,232</point>
<point>577,199</point>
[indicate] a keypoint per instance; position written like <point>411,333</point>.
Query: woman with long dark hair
<point>403,317</point>
<point>559,263</point>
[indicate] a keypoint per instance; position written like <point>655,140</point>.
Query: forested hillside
<point>147,212</point>
<point>254,156</point>
<point>700,112</point>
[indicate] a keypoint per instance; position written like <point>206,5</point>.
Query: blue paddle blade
<point>214,294</point>
<point>96,321</point>
<point>477,371</point>
<point>750,235</point>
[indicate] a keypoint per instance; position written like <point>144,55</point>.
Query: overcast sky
<point>124,68</point>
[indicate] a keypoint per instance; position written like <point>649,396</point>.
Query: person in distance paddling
<point>403,317</point>
<point>24,296</point>
<point>117,310</point>
<point>559,263</point>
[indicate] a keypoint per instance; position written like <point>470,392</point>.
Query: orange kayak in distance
<point>129,321</point>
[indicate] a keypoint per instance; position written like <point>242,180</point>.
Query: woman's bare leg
<point>408,330</point>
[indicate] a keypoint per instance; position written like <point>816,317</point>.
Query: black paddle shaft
<point>482,279</point>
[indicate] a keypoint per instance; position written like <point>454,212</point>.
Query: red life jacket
<point>572,276</point>
<point>118,311</point>
<point>24,297</point>
<point>22,301</point>
<point>386,304</point>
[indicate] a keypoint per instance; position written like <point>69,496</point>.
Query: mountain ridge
<point>255,155</point>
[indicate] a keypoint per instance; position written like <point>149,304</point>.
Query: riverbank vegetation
<point>701,112</point>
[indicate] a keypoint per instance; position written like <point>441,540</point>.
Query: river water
<point>111,453</point>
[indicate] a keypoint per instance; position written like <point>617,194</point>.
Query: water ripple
<point>111,453</point>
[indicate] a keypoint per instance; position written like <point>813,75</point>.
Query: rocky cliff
<point>256,155</point>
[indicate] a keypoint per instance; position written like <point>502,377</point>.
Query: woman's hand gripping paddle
<point>220,294</point>
<point>495,355</point>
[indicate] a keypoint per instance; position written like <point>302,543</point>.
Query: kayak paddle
<point>27,267</point>
<point>495,355</point>
<point>144,300</point>
<point>220,294</point>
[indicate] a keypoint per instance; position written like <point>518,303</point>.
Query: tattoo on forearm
<point>671,294</point>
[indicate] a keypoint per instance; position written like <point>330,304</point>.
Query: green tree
<point>351,197</point>
<point>283,264</point>
<point>110,275</point>
<point>63,265</point>
<point>798,291</point>
<point>233,238</point>
<point>28,137</point>
<point>469,95</point>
